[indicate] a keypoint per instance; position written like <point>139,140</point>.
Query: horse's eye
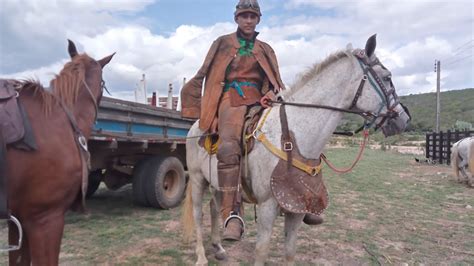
<point>388,78</point>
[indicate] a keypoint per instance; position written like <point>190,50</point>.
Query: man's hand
<point>265,100</point>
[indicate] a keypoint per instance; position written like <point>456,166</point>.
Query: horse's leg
<point>267,213</point>
<point>215,225</point>
<point>197,195</point>
<point>292,224</point>
<point>44,235</point>
<point>22,256</point>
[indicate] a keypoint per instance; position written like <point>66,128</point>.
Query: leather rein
<point>367,115</point>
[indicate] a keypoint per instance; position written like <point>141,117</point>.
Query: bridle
<point>389,98</point>
<point>94,100</point>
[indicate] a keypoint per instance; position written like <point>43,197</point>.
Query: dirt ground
<point>389,210</point>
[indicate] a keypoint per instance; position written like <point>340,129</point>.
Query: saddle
<point>14,123</point>
<point>211,142</point>
<point>11,122</point>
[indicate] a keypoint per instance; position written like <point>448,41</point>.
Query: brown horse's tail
<point>187,217</point>
<point>471,158</point>
<point>455,159</point>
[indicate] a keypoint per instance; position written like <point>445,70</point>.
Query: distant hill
<point>456,105</point>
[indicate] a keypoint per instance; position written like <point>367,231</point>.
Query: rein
<point>357,159</point>
<point>378,86</point>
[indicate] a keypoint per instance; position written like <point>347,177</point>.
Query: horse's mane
<point>316,69</point>
<point>65,86</point>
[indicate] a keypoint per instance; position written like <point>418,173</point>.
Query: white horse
<point>339,81</point>
<point>462,160</point>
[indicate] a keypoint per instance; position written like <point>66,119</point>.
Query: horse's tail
<point>471,158</point>
<point>187,219</point>
<point>455,159</point>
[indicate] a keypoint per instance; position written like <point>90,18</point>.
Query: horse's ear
<point>104,61</point>
<point>71,49</point>
<point>370,45</point>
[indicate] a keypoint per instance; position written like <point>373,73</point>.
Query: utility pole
<point>438,89</point>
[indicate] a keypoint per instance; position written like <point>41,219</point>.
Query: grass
<point>389,210</point>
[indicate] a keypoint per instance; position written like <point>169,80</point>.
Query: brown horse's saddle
<point>15,127</point>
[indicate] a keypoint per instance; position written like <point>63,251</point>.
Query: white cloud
<point>411,35</point>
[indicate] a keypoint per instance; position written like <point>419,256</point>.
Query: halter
<point>94,101</point>
<point>386,95</point>
<point>369,75</point>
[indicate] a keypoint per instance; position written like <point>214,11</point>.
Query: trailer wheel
<point>166,182</point>
<point>140,176</point>
<point>94,181</point>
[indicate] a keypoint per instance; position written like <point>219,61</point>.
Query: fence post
<point>448,148</point>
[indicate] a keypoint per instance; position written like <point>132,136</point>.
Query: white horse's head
<point>390,115</point>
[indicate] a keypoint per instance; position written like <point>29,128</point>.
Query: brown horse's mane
<point>64,86</point>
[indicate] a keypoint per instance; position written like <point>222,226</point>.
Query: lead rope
<point>359,156</point>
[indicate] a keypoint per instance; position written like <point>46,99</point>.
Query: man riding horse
<point>240,71</point>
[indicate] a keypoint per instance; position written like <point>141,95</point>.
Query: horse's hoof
<point>221,256</point>
<point>312,219</point>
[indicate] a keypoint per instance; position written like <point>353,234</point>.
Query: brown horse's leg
<point>22,256</point>
<point>44,236</point>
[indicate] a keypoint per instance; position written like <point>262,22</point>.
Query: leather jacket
<point>221,53</point>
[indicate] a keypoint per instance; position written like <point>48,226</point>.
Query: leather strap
<point>285,136</point>
<point>312,170</point>
<point>359,90</point>
<point>4,214</point>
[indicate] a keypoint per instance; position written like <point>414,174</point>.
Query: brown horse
<point>45,183</point>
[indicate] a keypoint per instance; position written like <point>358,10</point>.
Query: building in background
<point>140,91</point>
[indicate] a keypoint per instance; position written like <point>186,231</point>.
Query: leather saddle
<point>11,121</point>
<point>14,123</point>
<point>211,142</point>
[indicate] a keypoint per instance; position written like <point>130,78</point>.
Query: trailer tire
<point>166,182</point>
<point>139,178</point>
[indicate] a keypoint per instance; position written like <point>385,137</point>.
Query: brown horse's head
<point>80,77</point>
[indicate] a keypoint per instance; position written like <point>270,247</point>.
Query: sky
<point>167,40</point>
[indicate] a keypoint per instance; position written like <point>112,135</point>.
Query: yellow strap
<point>312,170</point>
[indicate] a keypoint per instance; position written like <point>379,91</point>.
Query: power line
<point>459,50</point>
<point>453,62</point>
<point>472,40</point>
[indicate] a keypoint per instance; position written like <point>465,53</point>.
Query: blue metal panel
<point>146,129</point>
<point>177,132</point>
<point>106,125</point>
<point>137,129</point>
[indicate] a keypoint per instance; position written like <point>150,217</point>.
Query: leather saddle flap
<point>295,190</point>
<point>7,90</point>
<point>11,121</point>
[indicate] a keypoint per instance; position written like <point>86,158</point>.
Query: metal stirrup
<point>234,216</point>
<point>20,235</point>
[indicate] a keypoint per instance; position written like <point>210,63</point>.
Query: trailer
<point>143,145</point>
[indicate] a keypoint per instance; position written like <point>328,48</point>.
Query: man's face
<point>247,23</point>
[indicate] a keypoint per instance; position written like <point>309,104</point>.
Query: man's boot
<point>312,219</point>
<point>230,204</point>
